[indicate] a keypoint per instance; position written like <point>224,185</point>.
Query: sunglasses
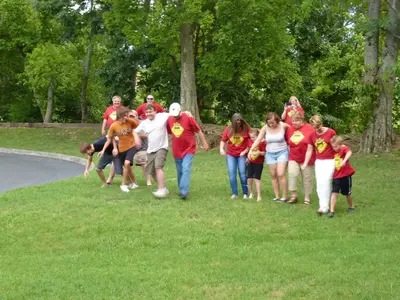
<point>150,98</point>
<point>131,116</point>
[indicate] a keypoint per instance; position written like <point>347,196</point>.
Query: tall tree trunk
<point>379,134</point>
<point>50,102</point>
<point>133,88</point>
<point>188,78</point>
<point>371,53</point>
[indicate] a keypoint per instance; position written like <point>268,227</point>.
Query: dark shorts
<point>254,170</point>
<point>106,159</point>
<point>156,160</point>
<point>127,155</point>
<point>342,185</point>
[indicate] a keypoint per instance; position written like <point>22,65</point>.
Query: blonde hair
<point>337,140</point>
<point>297,100</point>
<point>296,116</point>
<point>255,131</point>
<point>316,120</point>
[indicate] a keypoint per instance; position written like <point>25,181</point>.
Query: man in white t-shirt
<point>154,127</point>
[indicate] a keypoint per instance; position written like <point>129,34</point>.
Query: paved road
<point>18,170</point>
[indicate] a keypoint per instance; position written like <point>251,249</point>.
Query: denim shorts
<point>272,158</point>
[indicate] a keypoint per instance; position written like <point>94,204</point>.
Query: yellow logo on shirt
<point>236,140</point>
<point>177,129</point>
<point>113,115</point>
<point>321,145</point>
<point>290,113</point>
<point>297,137</point>
<point>254,156</point>
<point>338,162</point>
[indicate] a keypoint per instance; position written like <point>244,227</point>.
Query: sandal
<point>292,200</point>
<point>307,202</point>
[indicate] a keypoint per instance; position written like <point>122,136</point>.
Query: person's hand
<point>249,154</point>
<point>303,166</point>
<point>243,153</point>
<point>138,144</point>
<point>222,152</point>
<point>86,174</point>
<point>100,154</point>
<point>103,132</point>
<point>206,147</point>
<point>342,164</point>
<point>115,152</point>
<point>256,153</point>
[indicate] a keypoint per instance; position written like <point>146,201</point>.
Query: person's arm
<point>109,140</point>
<point>103,127</point>
<point>203,140</point>
<point>346,157</point>
<point>115,147</point>
<point>285,126</point>
<point>283,117</point>
<point>138,140</point>
<point>88,164</point>
<point>222,148</point>
<point>244,152</point>
<point>310,149</point>
<point>258,140</point>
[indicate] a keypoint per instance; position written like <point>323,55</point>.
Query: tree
<point>378,136</point>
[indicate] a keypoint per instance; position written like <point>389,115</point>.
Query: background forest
<point>61,61</point>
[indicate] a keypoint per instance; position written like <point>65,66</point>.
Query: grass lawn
<point>73,240</point>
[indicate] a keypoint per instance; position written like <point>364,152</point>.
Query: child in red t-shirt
<point>255,164</point>
<point>342,182</point>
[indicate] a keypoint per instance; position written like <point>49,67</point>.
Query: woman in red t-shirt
<point>297,137</point>
<point>320,140</point>
<point>237,137</point>
<point>290,108</point>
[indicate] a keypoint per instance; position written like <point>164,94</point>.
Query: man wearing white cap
<point>183,129</point>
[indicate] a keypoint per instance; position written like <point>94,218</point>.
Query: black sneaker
<point>350,210</point>
<point>331,214</point>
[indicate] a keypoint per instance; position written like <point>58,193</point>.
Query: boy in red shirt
<point>342,182</point>
<point>183,129</point>
<point>255,164</point>
<point>141,109</point>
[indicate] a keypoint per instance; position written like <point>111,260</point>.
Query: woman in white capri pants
<point>324,163</point>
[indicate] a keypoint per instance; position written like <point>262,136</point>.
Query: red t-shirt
<point>347,169</point>
<point>183,138</point>
<point>257,159</point>
<point>236,143</point>
<point>111,114</point>
<point>289,113</point>
<point>322,144</point>
<point>141,110</point>
<point>298,140</point>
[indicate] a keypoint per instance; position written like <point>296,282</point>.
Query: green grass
<point>73,240</point>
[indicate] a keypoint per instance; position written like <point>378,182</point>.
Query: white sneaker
<point>251,196</point>
<point>245,197</point>
<point>233,197</point>
<point>133,186</point>
<point>162,193</point>
<point>124,188</point>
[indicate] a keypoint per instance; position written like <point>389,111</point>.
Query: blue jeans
<point>184,170</point>
<point>237,163</point>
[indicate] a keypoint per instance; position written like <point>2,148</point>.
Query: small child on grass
<point>342,181</point>
<point>255,165</point>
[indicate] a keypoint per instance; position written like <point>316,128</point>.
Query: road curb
<point>70,158</point>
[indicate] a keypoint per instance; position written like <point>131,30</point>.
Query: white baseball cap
<point>175,109</point>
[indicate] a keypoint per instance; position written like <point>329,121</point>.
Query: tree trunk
<point>188,78</point>
<point>371,53</point>
<point>133,89</point>
<point>379,134</point>
<point>50,102</point>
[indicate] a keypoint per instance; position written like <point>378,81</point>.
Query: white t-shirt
<point>156,131</point>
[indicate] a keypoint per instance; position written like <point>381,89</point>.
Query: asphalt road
<point>18,170</point>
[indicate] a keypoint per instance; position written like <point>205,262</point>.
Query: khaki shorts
<point>140,158</point>
<point>156,160</point>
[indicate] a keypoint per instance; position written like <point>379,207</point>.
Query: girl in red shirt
<point>237,137</point>
<point>342,182</point>
<point>290,109</point>
<point>255,164</point>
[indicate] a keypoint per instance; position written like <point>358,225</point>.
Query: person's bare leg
<point>274,179</point>
<point>125,172</point>
<point>160,178</point>
<point>112,174</point>
<point>281,173</point>
<point>102,177</point>
<point>350,201</point>
<point>131,175</point>
<point>258,188</point>
<point>250,186</point>
<point>146,175</point>
<point>333,201</point>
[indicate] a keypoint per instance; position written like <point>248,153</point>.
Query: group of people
<point>288,145</point>
<point>141,137</point>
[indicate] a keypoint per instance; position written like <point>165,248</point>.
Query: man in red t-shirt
<point>110,115</point>
<point>183,129</point>
<point>342,182</point>
<point>141,110</point>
